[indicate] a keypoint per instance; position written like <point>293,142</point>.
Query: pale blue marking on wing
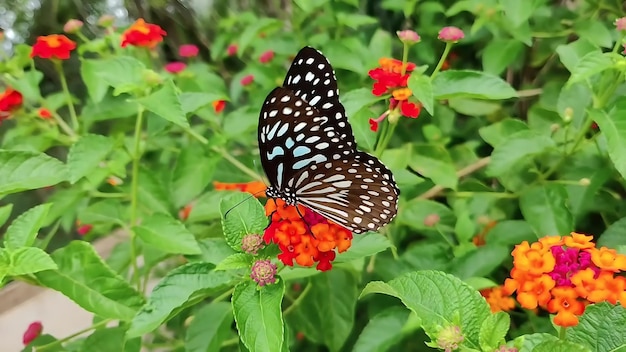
<point>301,150</point>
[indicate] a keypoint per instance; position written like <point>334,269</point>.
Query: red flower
<point>44,113</point>
<point>143,34</point>
<point>83,229</point>
<point>219,105</point>
<point>53,46</point>
<point>188,50</point>
<point>374,125</point>
<point>10,100</point>
<point>32,332</point>
<point>183,213</point>
<point>266,57</point>
<point>247,80</point>
<point>231,50</point>
<point>175,67</point>
<point>411,110</point>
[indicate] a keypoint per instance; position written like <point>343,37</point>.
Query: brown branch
<point>469,169</point>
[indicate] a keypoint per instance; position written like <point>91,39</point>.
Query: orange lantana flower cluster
<point>257,188</point>
<point>564,274</point>
<point>143,34</point>
<point>304,236</point>
<point>498,299</point>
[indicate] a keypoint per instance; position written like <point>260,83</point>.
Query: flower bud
<point>252,243</point>
<point>449,338</point>
<point>568,113</point>
<point>266,57</point>
<point>32,332</point>
<point>231,50</point>
<point>620,24</point>
<point>584,181</point>
<point>72,26</point>
<point>175,67</point>
<point>408,36</point>
<point>106,21</point>
<point>247,80</point>
<point>431,220</point>
<point>263,272</point>
<point>188,50</point>
<point>451,34</point>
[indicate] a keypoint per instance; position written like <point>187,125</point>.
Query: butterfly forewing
<point>312,78</point>
<point>351,193</point>
<point>293,136</point>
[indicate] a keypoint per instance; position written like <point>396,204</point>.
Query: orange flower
<point>578,240</point>
<point>498,300</point>
<point>304,236</point>
<point>608,259</point>
<point>536,262</point>
<point>143,34</point>
<point>402,94</point>
<point>535,293</point>
<point>256,188</point>
<point>10,100</point>
<point>586,285</point>
<point>44,113</point>
<point>219,105</point>
<point>566,305</point>
<point>53,46</point>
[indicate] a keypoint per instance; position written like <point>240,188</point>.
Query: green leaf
<point>499,132</point>
<point>422,89</point>
<point>589,65</point>
<point>30,260</point>
<point>382,331</point>
<point>471,84</point>
<point>613,127</point>
<point>209,328</point>
<point>83,277</point>
<point>577,97</point>
<point>501,53</point>
<point>363,246</point>
<point>327,313</point>
<point>192,173</point>
<point>86,154</point>
<point>415,212</point>
<point>106,340</point>
<point>21,170</point>
<point>438,299</point>
<point>510,232</point>
<point>613,236</point>
<point>545,208</point>
<point>493,330</point>
<point>165,103</point>
<point>204,208</point>
<point>479,262</point>
<point>251,33</point>
<point>234,261</point>
<point>153,193</point>
<point>179,289</point>
<point>167,234</point>
<point>5,213</point>
<point>108,211</point>
<point>594,31</point>
<point>516,11</point>
<point>365,138</point>
<point>571,53</point>
<point>117,72</point>
<point>354,20</point>
<point>24,228</point>
<point>601,328</point>
<point>527,343</point>
<point>258,315</point>
<point>434,162</point>
<point>517,148</point>
<point>193,101</point>
<point>96,87</point>
<point>559,346</point>
<point>27,84</point>
<point>243,219</point>
<point>380,44</point>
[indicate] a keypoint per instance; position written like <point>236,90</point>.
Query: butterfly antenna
<point>241,202</point>
<point>304,220</point>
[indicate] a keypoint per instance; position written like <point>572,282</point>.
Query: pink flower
<point>620,24</point>
<point>408,36</point>
<point>82,230</point>
<point>266,57</point>
<point>247,80</point>
<point>188,50</point>
<point>175,67</point>
<point>72,26</point>
<point>451,34</point>
<point>231,50</point>
<point>32,332</point>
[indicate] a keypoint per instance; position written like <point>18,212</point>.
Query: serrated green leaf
<point>191,175</point>
<point>499,132</point>
<point>510,232</point>
<point>261,25</point>
<point>517,12</point>
<point>247,217</point>
<point>165,103</point>
<point>192,101</point>
<point>86,154</point>
<point>234,261</point>
<point>422,89</point>
<point>179,289</point>
<point>434,162</point>
<point>258,315</point>
<point>517,148</point>
<point>589,65</point>
<point>153,193</point>
<point>527,343</point>
<point>204,208</point>
<point>545,208</point>
<point>5,213</point>
<point>209,328</point>
<point>106,211</point>
<point>501,53</point>
<point>613,127</point>
<point>24,228</point>
<point>571,53</point>
<point>29,260</point>
<point>479,262</point>
<point>83,277</point>
<point>118,71</point>
<point>106,340</point>
<point>601,328</point>
<point>613,236</point>
<point>21,170</point>
<point>493,330</point>
<point>354,20</point>
<point>328,317</point>
<point>559,346</point>
<point>438,299</point>
<point>382,331</point>
<point>167,234</point>
<point>471,84</point>
<point>415,212</point>
<point>594,31</point>
<point>363,246</point>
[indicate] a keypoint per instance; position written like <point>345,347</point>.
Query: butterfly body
<point>309,153</point>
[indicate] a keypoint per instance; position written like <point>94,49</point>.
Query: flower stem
<point>562,331</point>
<point>66,90</point>
<point>224,295</point>
<point>385,139</point>
<point>134,191</point>
<point>298,300</point>
<point>65,339</point>
<point>442,59</point>
<point>64,126</point>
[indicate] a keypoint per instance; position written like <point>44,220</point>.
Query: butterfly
<point>310,156</point>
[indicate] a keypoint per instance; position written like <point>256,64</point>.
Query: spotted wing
<point>293,136</point>
<point>356,193</point>
<point>312,78</point>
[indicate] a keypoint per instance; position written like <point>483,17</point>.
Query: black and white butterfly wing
<point>311,77</point>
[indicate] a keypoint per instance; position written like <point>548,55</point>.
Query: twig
<point>469,169</point>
